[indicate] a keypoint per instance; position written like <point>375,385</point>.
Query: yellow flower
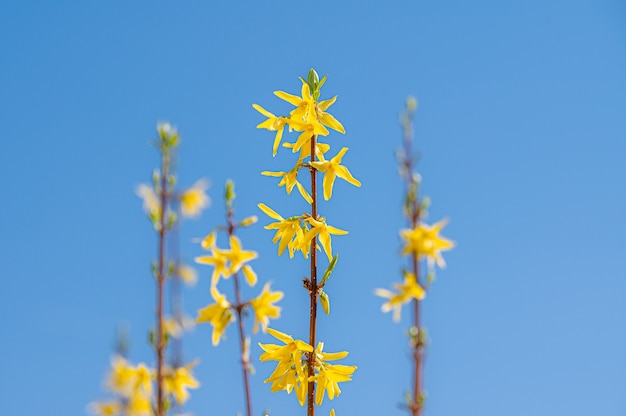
<point>323,231</point>
<point>151,201</point>
<point>410,289</point>
<point>329,375</point>
<point>121,377</point>
<point>326,118</point>
<point>272,123</point>
<point>187,274</point>
<point>175,327</point>
<point>178,380</point>
<point>138,404</point>
<point>305,105</point>
<point>219,260</point>
<point>289,180</point>
<point>238,257</point>
<point>425,241</point>
<point>305,151</point>
<point>263,307</point>
<point>331,169</point>
<point>194,199</point>
<point>290,233</point>
<point>109,408</point>
<point>290,372</point>
<point>308,129</point>
<point>218,315</point>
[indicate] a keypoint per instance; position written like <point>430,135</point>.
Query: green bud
<point>156,178</point>
<point>154,266</point>
<point>229,193</point>
<point>329,270</point>
<point>411,104</point>
<point>325,302</point>
<point>171,267</point>
<point>313,79</point>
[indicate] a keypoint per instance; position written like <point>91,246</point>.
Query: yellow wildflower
<point>323,231</point>
<point>289,180</point>
<point>219,260</point>
<point>237,256</point>
<point>331,169</point>
<point>151,201</point>
<point>329,375</point>
<point>194,199</point>
<point>108,408</point>
<point>305,105</point>
<point>187,274</point>
<point>121,377</point>
<point>410,289</point>
<point>178,380</point>
<point>308,129</point>
<point>175,327</point>
<point>290,233</point>
<point>218,315</point>
<point>305,151</point>
<point>326,118</point>
<point>263,307</point>
<point>272,123</point>
<point>138,404</point>
<point>290,371</point>
<point>425,241</point>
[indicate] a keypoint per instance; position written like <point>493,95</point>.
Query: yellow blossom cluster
<point>133,388</point>
<point>226,263</point>
<point>301,368</point>
<point>291,373</point>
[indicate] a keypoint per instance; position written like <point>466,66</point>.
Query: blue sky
<point>521,130</point>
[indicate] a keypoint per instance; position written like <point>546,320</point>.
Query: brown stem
<point>242,338</point>
<point>160,345</point>
<point>414,213</point>
<point>313,289</point>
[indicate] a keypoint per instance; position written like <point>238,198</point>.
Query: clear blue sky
<point>522,131</point>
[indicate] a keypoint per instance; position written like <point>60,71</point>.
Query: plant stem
<point>160,345</point>
<point>313,289</point>
<point>412,190</point>
<point>245,362</point>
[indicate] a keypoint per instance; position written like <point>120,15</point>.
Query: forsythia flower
<point>305,152</point>
<point>151,202</point>
<point>332,169</point>
<point>176,327</point>
<point>272,123</point>
<point>289,232</point>
<point>326,118</point>
<point>187,274</point>
<point>237,256</point>
<point>110,408</point>
<point>321,229</point>
<point>425,241</point>
<point>178,380</point>
<point>407,291</point>
<point>219,260</point>
<point>263,307</point>
<point>329,375</point>
<point>288,179</point>
<point>305,106</point>
<point>290,372</point>
<point>218,314</point>
<point>194,199</point>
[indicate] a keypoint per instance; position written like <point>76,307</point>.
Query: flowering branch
<point>421,241</point>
